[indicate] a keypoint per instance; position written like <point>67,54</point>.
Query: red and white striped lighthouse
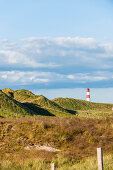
<point>88,95</point>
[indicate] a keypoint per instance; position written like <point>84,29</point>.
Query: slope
<point>51,106</point>
<point>86,109</point>
<point>40,103</point>
<point>76,104</point>
<point>12,108</point>
<point>37,103</point>
<point>9,92</point>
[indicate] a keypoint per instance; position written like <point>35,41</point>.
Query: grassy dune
<point>51,106</point>
<point>76,104</point>
<point>12,108</point>
<point>39,105</point>
<point>84,108</point>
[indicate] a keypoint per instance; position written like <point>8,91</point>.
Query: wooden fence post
<point>100,158</point>
<point>52,166</point>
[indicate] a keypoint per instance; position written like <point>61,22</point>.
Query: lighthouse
<point>88,94</point>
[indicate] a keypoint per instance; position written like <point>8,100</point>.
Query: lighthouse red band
<point>88,94</point>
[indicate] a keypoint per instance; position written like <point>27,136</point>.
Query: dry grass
<point>61,163</point>
<point>75,137</point>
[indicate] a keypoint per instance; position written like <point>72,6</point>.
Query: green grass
<point>19,95</point>
<point>94,113</point>
<point>38,103</point>
<point>23,95</point>
<point>59,107</point>
<point>12,108</point>
<point>51,106</point>
<point>61,163</point>
<point>76,104</point>
<point>28,105</point>
<point>84,108</point>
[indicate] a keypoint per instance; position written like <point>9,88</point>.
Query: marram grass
<point>61,164</point>
<point>23,103</point>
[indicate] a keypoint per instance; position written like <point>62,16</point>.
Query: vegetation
<point>84,108</point>
<point>33,105</point>
<point>76,104</point>
<point>74,127</point>
<point>51,106</point>
<point>62,163</point>
<point>76,138</point>
<point>38,105</point>
<point>12,108</point>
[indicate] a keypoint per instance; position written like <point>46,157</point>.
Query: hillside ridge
<point>39,105</point>
<point>9,107</point>
<point>78,104</point>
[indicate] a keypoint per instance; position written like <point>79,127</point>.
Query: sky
<point>57,46</point>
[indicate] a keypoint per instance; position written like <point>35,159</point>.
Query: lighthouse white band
<point>88,99</point>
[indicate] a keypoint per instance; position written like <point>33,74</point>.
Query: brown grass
<point>75,137</point>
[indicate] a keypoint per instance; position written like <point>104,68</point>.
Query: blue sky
<point>56,44</point>
<point>56,18</point>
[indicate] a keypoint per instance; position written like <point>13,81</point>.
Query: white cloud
<point>91,77</point>
<point>35,77</point>
<point>78,60</point>
<point>54,52</point>
<point>4,76</point>
<point>71,76</point>
<point>21,77</point>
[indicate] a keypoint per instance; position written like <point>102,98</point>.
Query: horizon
<point>96,95</point>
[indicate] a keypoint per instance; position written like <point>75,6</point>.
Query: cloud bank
<point>56,61</point>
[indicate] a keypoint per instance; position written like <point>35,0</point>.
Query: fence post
<point>52,166</point>
<point>100,158</point>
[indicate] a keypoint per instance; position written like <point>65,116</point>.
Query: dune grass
<point>12,108</point>
<point>84,108</point>
<point>77,104</point>
<point>37,103</point>
<point>21,103</point>
<point>61,163</point>
<point>94,113</point>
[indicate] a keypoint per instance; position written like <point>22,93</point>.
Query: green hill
<point>23,95</point>
<point>19,95</point>
<point>84,108</point>
<point>12,108</point>
<point>40,102</point>
<point>37,103</point>
<point>9,92</point>
<point>43,102</point>
<point>40,105</point>
<point>76,104</point>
